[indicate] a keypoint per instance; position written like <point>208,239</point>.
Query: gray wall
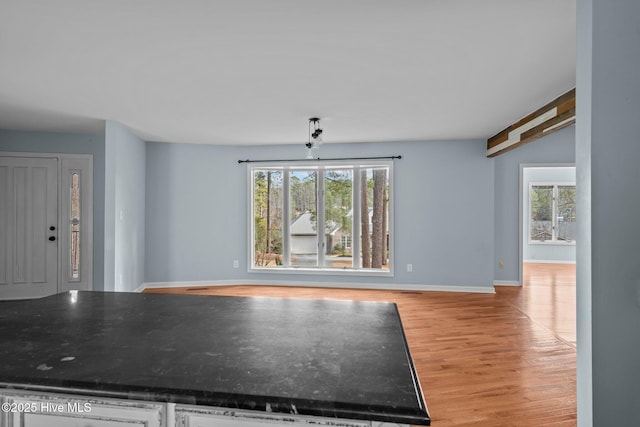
<point>125,158</point>
<point>608,152</point>
<point>70,143</point>
<point>547,251</point>
<point>197,211</point>
<point>559,147</point>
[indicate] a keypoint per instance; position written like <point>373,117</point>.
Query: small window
<point>345,241</point>
<point>552,216</point>
<point>74,227</point>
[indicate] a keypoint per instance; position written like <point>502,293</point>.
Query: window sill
<point>553,243</point>
<point>322,271</point>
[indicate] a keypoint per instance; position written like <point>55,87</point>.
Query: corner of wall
<point>125,166</point>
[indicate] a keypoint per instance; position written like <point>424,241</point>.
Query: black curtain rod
<point>319,159</point>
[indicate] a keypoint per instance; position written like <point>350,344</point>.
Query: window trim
<point>320,165</point>
<point>554,219</point>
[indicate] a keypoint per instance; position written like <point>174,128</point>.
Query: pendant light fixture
<point>314,139</point>
<point>313,148</point>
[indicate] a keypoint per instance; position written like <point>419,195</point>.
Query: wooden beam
<point>557,114</point>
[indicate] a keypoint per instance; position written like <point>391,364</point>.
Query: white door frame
<point>521,207</point>
<point>67,163</point>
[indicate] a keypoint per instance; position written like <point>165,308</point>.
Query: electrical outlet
<point>501,265</point>
<point>236,263</point>
<point>409,268</point>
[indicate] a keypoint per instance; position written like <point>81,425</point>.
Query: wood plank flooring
<point>548,297</point>
<point>482,359</point>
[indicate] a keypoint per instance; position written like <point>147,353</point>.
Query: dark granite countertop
<point>311,357</point>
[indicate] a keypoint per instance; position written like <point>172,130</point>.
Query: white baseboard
<point>547,261</point>
<point>344,285</point>
<point>506,283</point>
<point>140,288</point>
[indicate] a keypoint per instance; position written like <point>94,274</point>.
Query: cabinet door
<point>208,421</point>
<point>48,420</point>
<point>201,416</point>
<point>37,410</point>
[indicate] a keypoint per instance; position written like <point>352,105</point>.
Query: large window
<point>552,213</point>
<point>321,217</point>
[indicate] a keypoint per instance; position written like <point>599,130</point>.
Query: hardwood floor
<point>548,297</point>
<point>504,359</point>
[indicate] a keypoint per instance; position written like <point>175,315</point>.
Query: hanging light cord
<point>308,144</point>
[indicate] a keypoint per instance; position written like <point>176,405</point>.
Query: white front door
<point>28,227</point>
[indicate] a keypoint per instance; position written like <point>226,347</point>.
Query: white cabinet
<point>33,409</point>
<point>22,409</point>
<point>202,416</point>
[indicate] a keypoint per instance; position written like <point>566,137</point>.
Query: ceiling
<point>253,71</point>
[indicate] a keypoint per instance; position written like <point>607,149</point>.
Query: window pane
<point>303,236</point>
<point>338,189</point>
<point>303,217</point>
<point>566,213</point>
<point>75,227</point>
<point>541,226</point>
<point>267,203</point>
<point>374,221</point>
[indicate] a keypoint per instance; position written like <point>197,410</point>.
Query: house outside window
<point>552,213</point>
<point>321,217</point>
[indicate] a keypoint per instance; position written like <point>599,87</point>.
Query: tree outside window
<point>352,202</point>
<point>552,213</point>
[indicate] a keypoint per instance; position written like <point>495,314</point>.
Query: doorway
<point>547,246</point>
<point>46,224</point>
<point>549,215</point>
